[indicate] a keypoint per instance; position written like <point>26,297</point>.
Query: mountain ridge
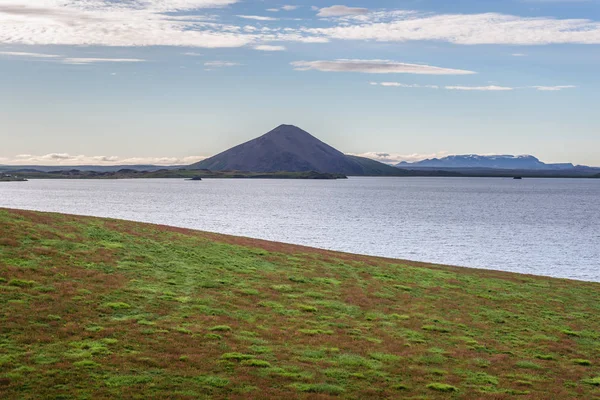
<point>500,161</point>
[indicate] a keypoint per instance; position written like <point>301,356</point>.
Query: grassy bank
<point>96,308</point>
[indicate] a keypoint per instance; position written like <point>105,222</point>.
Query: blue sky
<point>172,81</point>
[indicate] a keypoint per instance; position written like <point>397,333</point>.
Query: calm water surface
<point>537,226</point>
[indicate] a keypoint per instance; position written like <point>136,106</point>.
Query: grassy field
<point>101,309</point>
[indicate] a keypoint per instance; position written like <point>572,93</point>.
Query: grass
<point>98,308</point>
<point>442,387</point>
<point>318,388</point>
<point>256,363</point>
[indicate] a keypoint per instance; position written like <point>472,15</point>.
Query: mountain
<point>525,162</point>
<point>289,148</point>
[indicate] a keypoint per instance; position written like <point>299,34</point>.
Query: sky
<point>175,81</point>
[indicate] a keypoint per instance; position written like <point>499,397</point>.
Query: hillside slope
<point>101,309</point>
<point>370,167</point>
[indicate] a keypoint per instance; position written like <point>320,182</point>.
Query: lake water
<point>536,226</point>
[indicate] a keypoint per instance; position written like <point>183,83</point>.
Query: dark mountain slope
<point>375,168</point>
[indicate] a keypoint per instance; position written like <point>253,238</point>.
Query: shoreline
<point>285,247</point>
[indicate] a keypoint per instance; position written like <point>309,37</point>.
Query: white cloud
<point>490,88</point>
<point>518,55</point>
<point>403,85</point>
<point>395,158</point>
<point>266,47</point>
<point>68,60</point>
<point>258,17</point>
<point>283,8</point>
<point>465,29</point>
<point>161,160</point>
<point>340,11</point>
<point>192,54</point>
<point>552,88</point>
<point>221,64</point>
<point>376,67</point>
<point>290,35</point>
<point>82,61</point>
<point>67,159</point>
<point>27,55</point>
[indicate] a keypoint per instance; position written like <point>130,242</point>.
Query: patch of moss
<point>442,387</point>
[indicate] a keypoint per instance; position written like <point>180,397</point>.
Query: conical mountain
<point>289,148</point>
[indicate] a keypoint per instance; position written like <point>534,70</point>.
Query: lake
<point>536,226</point>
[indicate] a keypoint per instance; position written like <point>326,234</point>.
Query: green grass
<point>442,387</point>
<point>98,308</point>
<point>318,388</point>
<point>256,363</point>
<point>592,381</point>
<point>220,328</point>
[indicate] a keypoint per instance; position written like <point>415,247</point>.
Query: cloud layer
<point>376,67</point>
<point>266,47</point>
<point>187,23</point>
<point>465,29</point>
<point>258,17</point>
<point>339,11</point>
<point>110,23</point>
<point>67,159</point>
<point>67,60</point>
<point>403,85</point>
<point>553,88</point>
<point>22,54</point>
<point>488,88</point>
<point>395,158</point>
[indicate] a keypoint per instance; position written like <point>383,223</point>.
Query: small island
<point>11,178</point>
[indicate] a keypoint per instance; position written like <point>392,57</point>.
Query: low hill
<point>180,173</point>
<point>86,168</point>
<point>102,309</point>
<point>289,148</point>
<point>372,167</point>
<point>524,162</point>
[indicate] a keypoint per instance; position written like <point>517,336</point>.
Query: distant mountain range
<point>289,148</point>
<point>525,162</point>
